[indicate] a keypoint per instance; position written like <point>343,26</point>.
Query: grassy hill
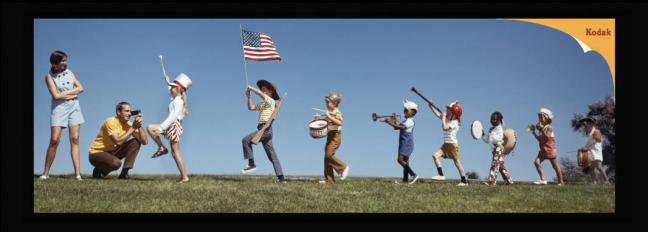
<point>259,194</point>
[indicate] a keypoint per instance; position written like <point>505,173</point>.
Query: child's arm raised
<point>435,111</point>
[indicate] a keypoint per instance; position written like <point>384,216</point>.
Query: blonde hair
<point>334,97</point>
<point>184,103</point>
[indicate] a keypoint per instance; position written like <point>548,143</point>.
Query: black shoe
<point>124,176</point>
<point>96,173</point>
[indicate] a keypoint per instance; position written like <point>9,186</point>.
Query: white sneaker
<point>248,169</point>
<point>397,182</point>
<point>322,182</point>
<point>462,184</point>
<point>413,180</point>
<point>345,173</point>
<point>438,177</point>
<point>540,182</point>
<point>43,177</point>
<point>78,178</point>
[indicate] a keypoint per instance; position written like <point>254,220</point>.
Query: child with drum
<point>450,149</point>
<point>495,137</point>
<point>547,143</point>
<point>334,119</point>
<point>593,148</point>
<point>406,139</point>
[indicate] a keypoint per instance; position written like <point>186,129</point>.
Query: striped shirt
<point>450,136</point>
<point>265,109</point>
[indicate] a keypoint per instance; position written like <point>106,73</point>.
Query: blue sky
<point>487,64</point>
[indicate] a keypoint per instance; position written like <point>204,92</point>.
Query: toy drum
<point>318,128</point>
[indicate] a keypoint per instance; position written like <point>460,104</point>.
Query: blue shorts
<point>66,113</point>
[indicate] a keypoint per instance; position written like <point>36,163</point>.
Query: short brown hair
<point>120,106</point>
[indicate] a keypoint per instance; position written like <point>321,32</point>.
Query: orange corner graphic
<point>591,34</point>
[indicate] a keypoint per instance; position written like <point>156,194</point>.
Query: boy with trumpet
<point>406,139</point>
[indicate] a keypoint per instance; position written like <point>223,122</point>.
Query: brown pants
<point>331,162</point>
<point>107,162</point>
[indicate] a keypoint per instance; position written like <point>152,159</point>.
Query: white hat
<point>410,105</point>
<point>547,112</point>
<point>183,81</point>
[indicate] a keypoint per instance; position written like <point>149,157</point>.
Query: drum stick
<point>325,111</point>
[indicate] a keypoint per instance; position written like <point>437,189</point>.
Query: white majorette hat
<point>547,112</point>
<point>410,105</point>
<point>183,81</point>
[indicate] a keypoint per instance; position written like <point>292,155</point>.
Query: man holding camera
<point>112,144</point>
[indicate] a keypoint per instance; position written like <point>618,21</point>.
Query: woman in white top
<point>594,149</point>
<point>171,127</point>
<point>495,137</point>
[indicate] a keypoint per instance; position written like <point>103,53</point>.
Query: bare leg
<point>74,148</point>
<point>435,157</point>
<point>599,166</point>
<point>55,137</point>
<point>175,151</point>
<point>539,167</point>
<point>554,163</point>
<point>459,167</point>
<point>153,131</point>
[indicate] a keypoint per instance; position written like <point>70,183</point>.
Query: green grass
<point>259,194</point>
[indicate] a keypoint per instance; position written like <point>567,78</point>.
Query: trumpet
<point>384,118</point>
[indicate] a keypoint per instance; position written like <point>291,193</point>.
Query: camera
<point>135,112</point>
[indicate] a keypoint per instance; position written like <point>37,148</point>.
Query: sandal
<point>160,152</point>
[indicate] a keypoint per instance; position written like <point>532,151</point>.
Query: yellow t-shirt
<point>337,115</point>
<point>103,142</point>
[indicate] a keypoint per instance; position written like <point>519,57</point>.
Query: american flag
<point>259,46</point>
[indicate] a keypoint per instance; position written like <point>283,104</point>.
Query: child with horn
<point>171,127</point>
<point>406,140</point>
<point>547,143</point>
<point>449,150</point>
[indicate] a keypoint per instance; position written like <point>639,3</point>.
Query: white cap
<point>183,81</point>
<point>547,112</point>
<point>410,105</point>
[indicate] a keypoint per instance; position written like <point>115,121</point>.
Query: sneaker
<point>345,173</point>
<point>322,182</point>
<point>561,184</point>
<point>43,177</point>
<point>397,182</point>
<point>438,177</point>
<point>413,180</point>
<point>543,182</point>
<point>282,181</point>
<point>462,184</point>
<point>182,181</point>
<point>78,178</point>
<point>248,169</point>
<point>509,183</point>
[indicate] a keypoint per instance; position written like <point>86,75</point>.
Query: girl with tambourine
<point>495,137</point>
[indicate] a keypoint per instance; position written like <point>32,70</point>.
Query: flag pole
<point>244,61</point>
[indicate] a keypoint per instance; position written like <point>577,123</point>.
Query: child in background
<point>547,143</point>
<point>450,120</point>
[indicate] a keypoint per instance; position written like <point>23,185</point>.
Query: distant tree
<point>603,113</point>
<point>571,171</point>
<point>472,174</point>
